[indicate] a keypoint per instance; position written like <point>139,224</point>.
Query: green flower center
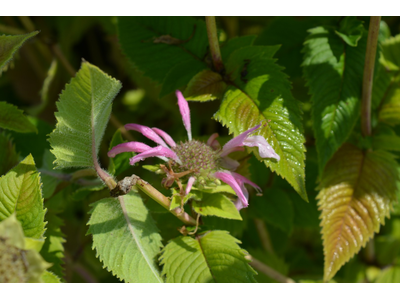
<point>196,156</point>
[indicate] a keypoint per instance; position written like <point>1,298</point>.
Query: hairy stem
<point>264,235</point>
<point>258,265</point>
<point>214,43</point>
<point>369,65</point>
<point>154,194</point>
<point>63,60</point>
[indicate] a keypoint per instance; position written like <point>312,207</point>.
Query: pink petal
<point>237,141</point>
<point>147,132</point>
<point>156,151</point>
<point>264,149</point>
<point>239,204</point>
<point>241,180</point>
<point>212,142</point>
<point>165,136</point>
<point>128,147</point>
<point>185,112</point>
<point>227,177</point>
<point>190,184</point>
<point>229,163</point>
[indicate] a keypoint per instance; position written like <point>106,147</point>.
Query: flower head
<point>201,162</point>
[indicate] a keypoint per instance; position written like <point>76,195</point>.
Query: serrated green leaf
<point>181,75</point>
<point>8,156</point>
<point>290,32</point>
<point>21,194</point>
<point>10,44</point>
<point>357,190</point>
<point>119,163</point>
<point>13,118</point>
<point>205,86</point>
<point>149,43</point>
<point>53,249</point>
<point>264,96</point>
<point>126,238</point>
<point>48,277</point>
<point>333,72</point>
<point>275,207</point>
<point>381,85</point>
<point>235,44</point>
<point>350,30</point>
<point>211,257</point>
<point>83,112</point>
<point>223,188</point>
<point>17,263</point>
<point>216,205</point>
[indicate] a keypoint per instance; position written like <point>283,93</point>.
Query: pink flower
<point>200,162</point>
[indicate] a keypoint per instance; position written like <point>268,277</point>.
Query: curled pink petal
<point>190,184</point>
<point>185,112</point>
<point>238,204</point>
<point>147,132</point>
<point>212,142</point>
<point>237,141</point>
<point>228,178</point>
<point>241,180</point>
<point>167,138</point>
<point>229,163</point>
<point>128,147</point>
<point>264,149</point>
<point>156,151</point>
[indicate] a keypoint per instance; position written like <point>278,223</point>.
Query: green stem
<point>369,66</point>
<point>271,273</point>
<point>264,235</point>
<point>154,194</point>
<point>214,43</point>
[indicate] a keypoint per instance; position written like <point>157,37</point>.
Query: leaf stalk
<point>372,44</point>
<point>256,264</point>
<point>214,44</point>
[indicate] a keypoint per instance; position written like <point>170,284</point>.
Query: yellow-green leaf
<point>356,193</point>
<point>216,205</point>
<point>21,194</point>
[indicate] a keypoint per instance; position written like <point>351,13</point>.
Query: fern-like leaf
<point>333,71</point>
<point>356,193</point>
<point>126,238</point>
<point>83,112</point>
<point>213,256</point>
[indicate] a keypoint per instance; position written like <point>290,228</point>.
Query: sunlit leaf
<point>213,256</point>
<point>356,193</point>
<point>333,71</point>
<point>264,95</point>
<point>216,205</point>
<point>21,194</point>
<point>126,238</point>
<point>83,112</point>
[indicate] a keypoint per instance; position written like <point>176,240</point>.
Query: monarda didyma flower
<point>202,163</point>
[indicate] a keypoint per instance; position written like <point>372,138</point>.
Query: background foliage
<point>303,74</point>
